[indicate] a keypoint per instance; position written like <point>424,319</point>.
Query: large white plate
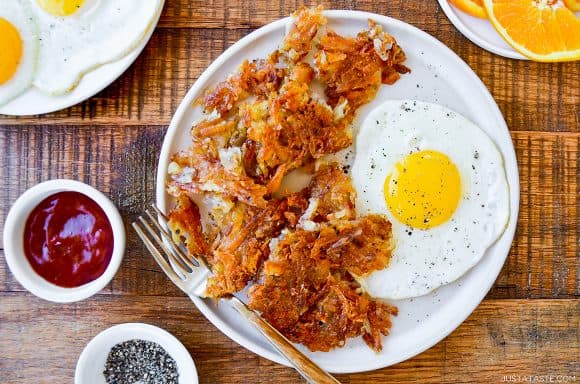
<point>438,75</point>
<point>480,32</point>
<point>35,102</point>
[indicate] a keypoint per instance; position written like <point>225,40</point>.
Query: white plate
<point>92,360</point>
<point>480,32</point>
<point>34,102</point>
<point>438,75</point>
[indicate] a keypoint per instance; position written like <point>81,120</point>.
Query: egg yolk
<point>60,7</point>
<point>423,190</point>
<point>10,50</point>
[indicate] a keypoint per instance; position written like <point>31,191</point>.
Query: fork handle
<point>306,367</point>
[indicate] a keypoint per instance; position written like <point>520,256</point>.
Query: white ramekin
<point>14,241</point>
<point>91,363</point>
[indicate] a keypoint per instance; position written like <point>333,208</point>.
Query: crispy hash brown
<point>307,292</point>
<point>299,253</point>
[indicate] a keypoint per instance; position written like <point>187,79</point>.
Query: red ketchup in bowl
<point>68,239</point>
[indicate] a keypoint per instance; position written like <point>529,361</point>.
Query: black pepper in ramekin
<point>142,362</point>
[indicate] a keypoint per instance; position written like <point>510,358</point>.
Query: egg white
<point>18,13</point>
<point>424,260</point>
<point>102,31</point>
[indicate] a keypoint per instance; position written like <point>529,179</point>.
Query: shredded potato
<point>300,254</point>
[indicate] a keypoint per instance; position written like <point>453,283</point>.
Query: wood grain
<point>121,162</point>
<point>502,337</point>
<point>526,328</point>
<point>150,91</point>
<point>243,14</point>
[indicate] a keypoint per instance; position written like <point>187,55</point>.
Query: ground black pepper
<point>140,362</point>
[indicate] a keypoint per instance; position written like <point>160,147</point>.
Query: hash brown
<point>260,124</point>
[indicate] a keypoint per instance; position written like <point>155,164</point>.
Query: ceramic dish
<point>14,245</point>
<point>34,102</point>
<point>92,360</point>
<point>438,75</point>
<point>479,31</point>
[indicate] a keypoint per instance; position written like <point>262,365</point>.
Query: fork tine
<point>177,280</point>
<point>177,263</point>
<point>199,260</point>
<point>189,261</point>
<point>158,211</point>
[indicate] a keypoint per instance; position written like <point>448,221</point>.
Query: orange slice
<point>471,7</point>
<point>543,30</point>
<point>573,5</point>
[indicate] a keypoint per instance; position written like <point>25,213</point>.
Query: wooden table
<point>527,325</point>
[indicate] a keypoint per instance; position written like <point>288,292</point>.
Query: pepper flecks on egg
<point>424,182</point>
<point>79,36</point>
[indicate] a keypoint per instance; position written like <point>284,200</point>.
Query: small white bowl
<point>92,361</point>
<point>14,243</point>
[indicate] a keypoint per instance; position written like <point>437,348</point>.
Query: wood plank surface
<point>530,97</point>
<point>121,162</point>
<point>526,329</point>
<point>502,337</point>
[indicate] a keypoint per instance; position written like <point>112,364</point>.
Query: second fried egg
<point>77,36</point>
<point>441,181</point>
<point>18,48</point>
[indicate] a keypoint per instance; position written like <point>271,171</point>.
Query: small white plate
<point>480,32</point>
<point>34,102</point>
<point>92,361</point>
<point>438,76</point>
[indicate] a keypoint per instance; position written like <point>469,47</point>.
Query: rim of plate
<point>111,71</point>
<point>509,158</point>
<point>475,39</point>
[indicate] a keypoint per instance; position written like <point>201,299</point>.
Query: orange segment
<point>573,5</point>
<point>471,7</point>
<point>543,30</point>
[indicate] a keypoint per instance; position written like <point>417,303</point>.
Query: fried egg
<point>77,36</point>
<point>18,48</point>
<point>441,182</point>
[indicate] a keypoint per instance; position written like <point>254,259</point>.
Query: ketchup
<point>68,239</point>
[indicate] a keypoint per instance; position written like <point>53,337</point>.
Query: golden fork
<point>180,268</point>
